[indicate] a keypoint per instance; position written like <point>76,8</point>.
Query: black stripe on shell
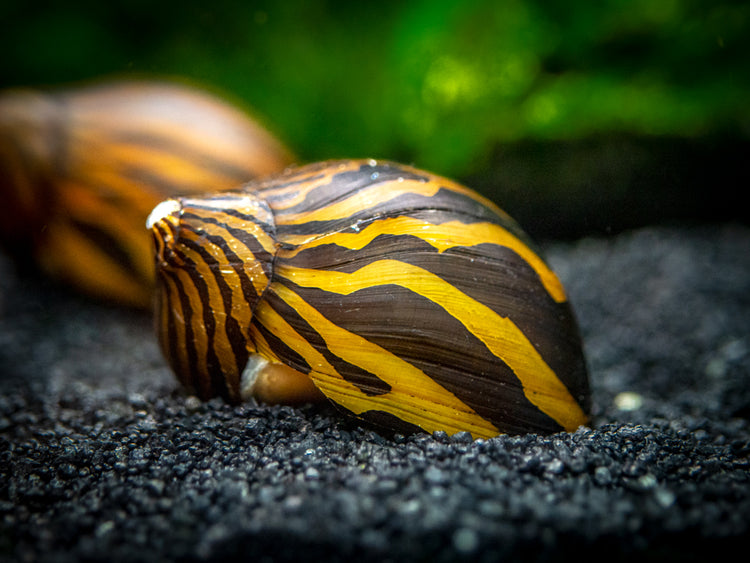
<point>492,274</point>
<point>369,383</point>
<point>414,328</point>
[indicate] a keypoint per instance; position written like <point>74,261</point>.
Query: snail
<point>403,297</point>
<point>80,170</point>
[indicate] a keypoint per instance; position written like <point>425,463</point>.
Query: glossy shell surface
<point>405,297</point>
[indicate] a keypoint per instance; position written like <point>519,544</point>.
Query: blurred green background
<point>576,117</point>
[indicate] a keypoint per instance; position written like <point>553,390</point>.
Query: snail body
<point>81,169</point>
<point>400,295</point>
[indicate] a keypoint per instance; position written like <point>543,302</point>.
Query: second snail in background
<point>399,295</point>
<point>80,170</point>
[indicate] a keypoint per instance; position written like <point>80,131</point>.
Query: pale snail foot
<point>275,384</point>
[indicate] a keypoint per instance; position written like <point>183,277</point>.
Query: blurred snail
<point>80,170</point>
<point>403,297</point>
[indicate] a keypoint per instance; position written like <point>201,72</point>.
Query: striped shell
<point>402,296</point>
<point>81,169</point>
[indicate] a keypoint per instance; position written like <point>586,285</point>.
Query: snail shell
<point>399,295</point>
<point>81,169</point>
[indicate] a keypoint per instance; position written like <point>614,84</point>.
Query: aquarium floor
<point>103,458</point>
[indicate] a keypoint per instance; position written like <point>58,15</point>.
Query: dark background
<point>577,117</point>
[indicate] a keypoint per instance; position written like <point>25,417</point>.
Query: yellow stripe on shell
<point>218,204</point>
<point>285,197</point>
<point>257,344</point>
<point>194,315</point>
<point>501,336</point>
<point>228,221</point>
<point>116,216</point>
<point>376,194</point>
<point>241,310</point>
<point>442,237</point>
<point>102,275</point>
<point>171,306</point>
<point>129,160</point>
<point>143,173</point>
<point>413,397</point>
<point>252,267</point>
<point>181,287</point>
<point>159,148</point>
<point>220,343</point>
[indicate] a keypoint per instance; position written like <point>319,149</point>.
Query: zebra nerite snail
<point>81,169</point>
<point>399,295</point>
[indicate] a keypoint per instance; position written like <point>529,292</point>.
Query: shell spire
<point>214,259</point>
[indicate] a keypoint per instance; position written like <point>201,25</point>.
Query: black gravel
<point>102,458</point>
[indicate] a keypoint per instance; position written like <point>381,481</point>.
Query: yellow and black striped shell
<point>80,170</point>
<point>402,296</point>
